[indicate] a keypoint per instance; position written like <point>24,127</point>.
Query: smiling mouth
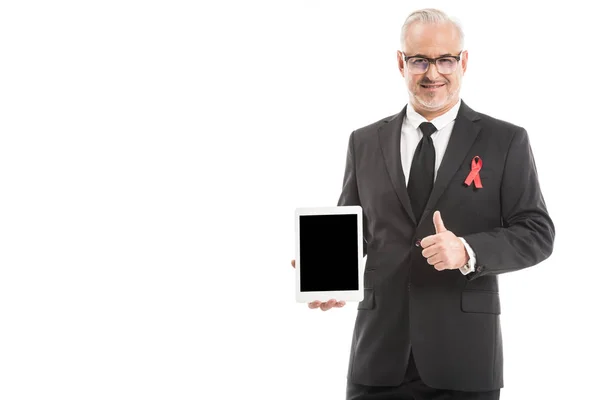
<point>432,87</point>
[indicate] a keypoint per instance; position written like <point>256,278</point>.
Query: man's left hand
<point>443,250</point>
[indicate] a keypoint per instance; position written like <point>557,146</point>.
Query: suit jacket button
<point>418,243</point>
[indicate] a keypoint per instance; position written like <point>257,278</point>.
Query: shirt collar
<point>415,119</point>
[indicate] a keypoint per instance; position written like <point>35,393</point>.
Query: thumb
<point>438,223</point>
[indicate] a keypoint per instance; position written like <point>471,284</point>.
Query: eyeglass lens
<point>444,65</point>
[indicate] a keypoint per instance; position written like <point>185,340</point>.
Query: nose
<point>432,72</point>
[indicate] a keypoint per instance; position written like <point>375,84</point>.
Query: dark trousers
<point>413,388</point>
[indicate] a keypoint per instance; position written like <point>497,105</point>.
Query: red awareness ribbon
<point>476,165</point>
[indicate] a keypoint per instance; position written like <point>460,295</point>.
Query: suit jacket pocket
<point>368,302</point>
<point>479,301</point>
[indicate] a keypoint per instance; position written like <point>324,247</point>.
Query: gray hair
<point>431,16</point>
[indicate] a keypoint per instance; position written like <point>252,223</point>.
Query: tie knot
<point>427,128</point>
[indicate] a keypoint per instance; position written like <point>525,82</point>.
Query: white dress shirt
<point>410,138</point>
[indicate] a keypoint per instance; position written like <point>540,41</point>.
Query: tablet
<point>329,253</point>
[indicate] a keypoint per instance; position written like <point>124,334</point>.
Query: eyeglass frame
<point>434,60</point>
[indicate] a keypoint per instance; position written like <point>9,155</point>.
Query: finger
<point>434,260</point>
<point>429,241</point>
<point>440,266</point>
<point>340,304</point>
<point>294,263</point>
<point>314,304</point>
<point>438,223</point>
<point>431,251</point>
<point>328,305</point>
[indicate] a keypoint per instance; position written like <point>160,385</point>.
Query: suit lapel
<point>389,141</point>
<point>463,136</point>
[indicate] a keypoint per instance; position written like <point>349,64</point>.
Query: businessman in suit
<point>451,199</point>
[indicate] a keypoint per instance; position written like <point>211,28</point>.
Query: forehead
<point>432,40</point>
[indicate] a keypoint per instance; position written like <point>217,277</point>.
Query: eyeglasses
<point>445,65</point>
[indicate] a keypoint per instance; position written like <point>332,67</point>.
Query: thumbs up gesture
<point>443,250</point>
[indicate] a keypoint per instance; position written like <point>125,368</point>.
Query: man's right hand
<point>323,305</point>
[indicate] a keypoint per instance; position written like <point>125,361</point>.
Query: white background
<point>152,155</point>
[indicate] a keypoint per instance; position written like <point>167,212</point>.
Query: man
<point>451,199</point>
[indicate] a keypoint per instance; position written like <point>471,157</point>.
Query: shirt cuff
<point>470,265</point>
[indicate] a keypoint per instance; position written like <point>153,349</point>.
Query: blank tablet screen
<point>328,252</point>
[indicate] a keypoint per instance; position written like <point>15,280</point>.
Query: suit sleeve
<point>349,195</point>
<point>527,234</point>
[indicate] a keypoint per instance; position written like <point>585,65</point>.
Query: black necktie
<point>422,169</point>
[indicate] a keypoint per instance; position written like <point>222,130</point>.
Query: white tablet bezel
<point>339,295</point>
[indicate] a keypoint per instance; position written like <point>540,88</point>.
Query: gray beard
<point>432,105</point>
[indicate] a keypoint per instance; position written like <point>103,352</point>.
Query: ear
<point>400,57</point>
<point>464,59</point>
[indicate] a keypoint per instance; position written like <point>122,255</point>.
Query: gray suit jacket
<point>451,321</point>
